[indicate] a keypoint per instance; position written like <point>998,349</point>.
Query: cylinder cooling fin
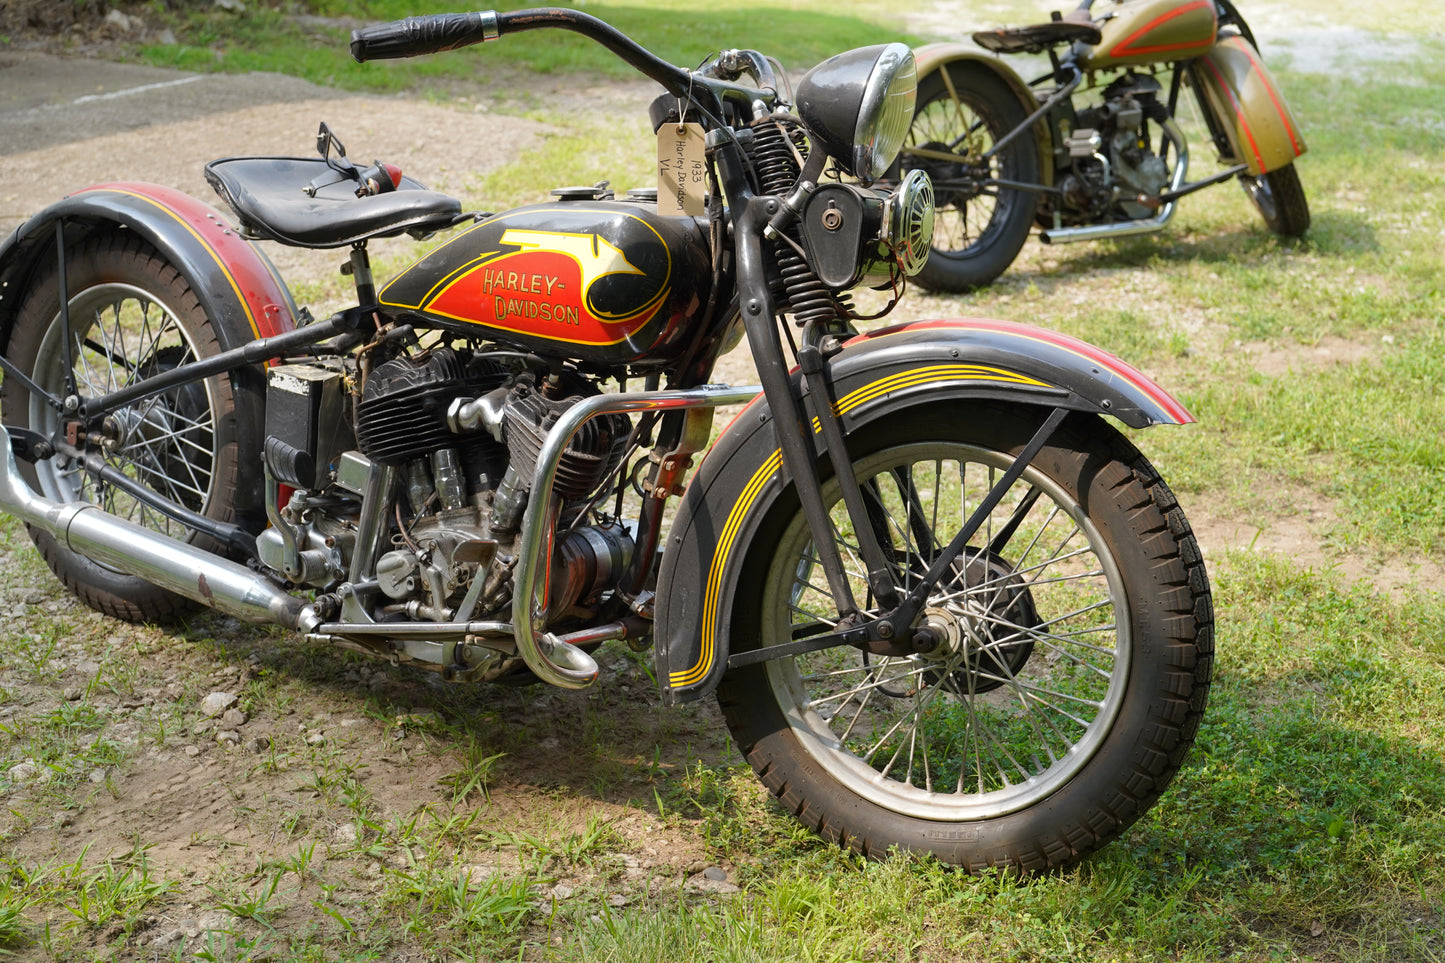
<point>402,412</point>
<point>594,452</point>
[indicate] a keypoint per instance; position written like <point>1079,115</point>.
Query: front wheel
<point>1280,199</point>
<point>1073,664</point>
<point>964,109</point>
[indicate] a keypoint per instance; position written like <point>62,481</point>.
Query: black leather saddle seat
<point>268,195</point>
<point>1036,38</point>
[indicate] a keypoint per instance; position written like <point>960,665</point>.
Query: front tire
<point>1074,666</point>
<point>132,315</point>
<point>978,230</point>
<point>1280,199</point>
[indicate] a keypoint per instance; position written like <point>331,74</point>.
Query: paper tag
<point>681,170</point>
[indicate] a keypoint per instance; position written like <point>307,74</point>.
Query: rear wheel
<point>131,316</point>
<point>1073,662</point>
<point>979,227</point>
<point>1280,199</point>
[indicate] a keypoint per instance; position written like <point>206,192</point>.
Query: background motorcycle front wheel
<point>131,315</point>
<point>1280,199</point>
<point>1074,663</point>
<point>978,230</point>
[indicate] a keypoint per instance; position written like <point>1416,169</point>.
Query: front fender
<point>237,286</point>
<point>1247,107</point>
<point>875,376</point>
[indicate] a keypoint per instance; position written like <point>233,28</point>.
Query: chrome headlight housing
<point>858,106</point>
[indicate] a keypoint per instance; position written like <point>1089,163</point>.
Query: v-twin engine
<point>1114,159</point>
<point>446,441</point>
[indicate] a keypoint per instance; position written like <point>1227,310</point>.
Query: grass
<point>266,36</point>
<point>494,823</point>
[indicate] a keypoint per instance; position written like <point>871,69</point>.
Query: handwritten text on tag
<point>681,170</point>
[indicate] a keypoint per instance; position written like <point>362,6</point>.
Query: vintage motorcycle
<point>1005,155</point>
<point>944,605</point>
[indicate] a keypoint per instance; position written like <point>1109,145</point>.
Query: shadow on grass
<point>614,742</point>
<point>1333,234</point>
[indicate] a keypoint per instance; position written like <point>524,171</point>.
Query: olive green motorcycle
<point>1092,148</point>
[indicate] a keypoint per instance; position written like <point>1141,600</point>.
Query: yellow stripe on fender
<point>911,378</point>
<point>719,564</point>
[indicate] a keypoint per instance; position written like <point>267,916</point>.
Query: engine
<point>461,430</point>
<point>1114,160</point>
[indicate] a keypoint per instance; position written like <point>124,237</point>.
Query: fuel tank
<point>606,282</point>
<point>1153,31</point>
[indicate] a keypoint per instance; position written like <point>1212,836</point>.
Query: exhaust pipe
<point>132,550</point>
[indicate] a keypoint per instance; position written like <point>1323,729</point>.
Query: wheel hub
<point>981,637</point>
<point>954,182</point>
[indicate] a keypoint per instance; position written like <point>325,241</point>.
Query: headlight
<point>858,106</point>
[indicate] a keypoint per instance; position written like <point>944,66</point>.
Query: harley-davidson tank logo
<point>573,286</point>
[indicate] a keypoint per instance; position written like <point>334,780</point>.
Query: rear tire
<point>1280,199</point>
<point>977,232</point>
<point>1072,673</point>
<point>132,315</point>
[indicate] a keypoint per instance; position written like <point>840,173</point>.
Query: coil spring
<point>806,297</point>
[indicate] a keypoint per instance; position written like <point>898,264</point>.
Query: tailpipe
<point>132,550</point>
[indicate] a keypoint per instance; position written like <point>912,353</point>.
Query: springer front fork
<point>895,631</point>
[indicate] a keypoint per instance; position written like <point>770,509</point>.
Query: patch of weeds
<point>474,776</point>
<point>300,862</point>
<point>540,850</point>
<point>231,946</point>
<point>35,653</point>
<point>455,908</point>
<point>117,891</point>
<point>252,903</point>
<point>13,902</point>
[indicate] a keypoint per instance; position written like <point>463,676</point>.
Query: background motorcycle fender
<point>937,56</point>
<point>1244,103</point>
<point>230,276</point>
<point>875,376</point>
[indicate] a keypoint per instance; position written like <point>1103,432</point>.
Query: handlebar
<point>416,36</point>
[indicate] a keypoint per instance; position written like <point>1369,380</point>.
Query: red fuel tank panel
<point>600,281</point>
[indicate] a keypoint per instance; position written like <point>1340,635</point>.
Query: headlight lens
<point>886,113</point>
<point>858,106</point>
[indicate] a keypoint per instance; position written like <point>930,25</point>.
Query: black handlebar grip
<point>415,36</point>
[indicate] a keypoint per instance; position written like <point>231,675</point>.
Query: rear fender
<point>934,57</point>
<point>237,286</point>
<point>876,376</point>
<point>1246,106</point>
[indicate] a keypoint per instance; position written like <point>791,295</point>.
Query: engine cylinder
<point>402,414</point>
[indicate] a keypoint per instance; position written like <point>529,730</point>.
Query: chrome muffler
<point>132,550</point>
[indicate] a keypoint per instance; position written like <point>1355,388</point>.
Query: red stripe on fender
<point>1112,363</point>
<point>1238,111</point>
<point>253,285</point>
<point>1273,94</point>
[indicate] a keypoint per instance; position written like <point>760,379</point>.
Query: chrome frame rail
<point>550,658</point>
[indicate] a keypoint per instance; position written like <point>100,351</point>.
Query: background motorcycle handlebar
<point>417,36</point>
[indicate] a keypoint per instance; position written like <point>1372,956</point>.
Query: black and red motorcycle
<point>944,604</point>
